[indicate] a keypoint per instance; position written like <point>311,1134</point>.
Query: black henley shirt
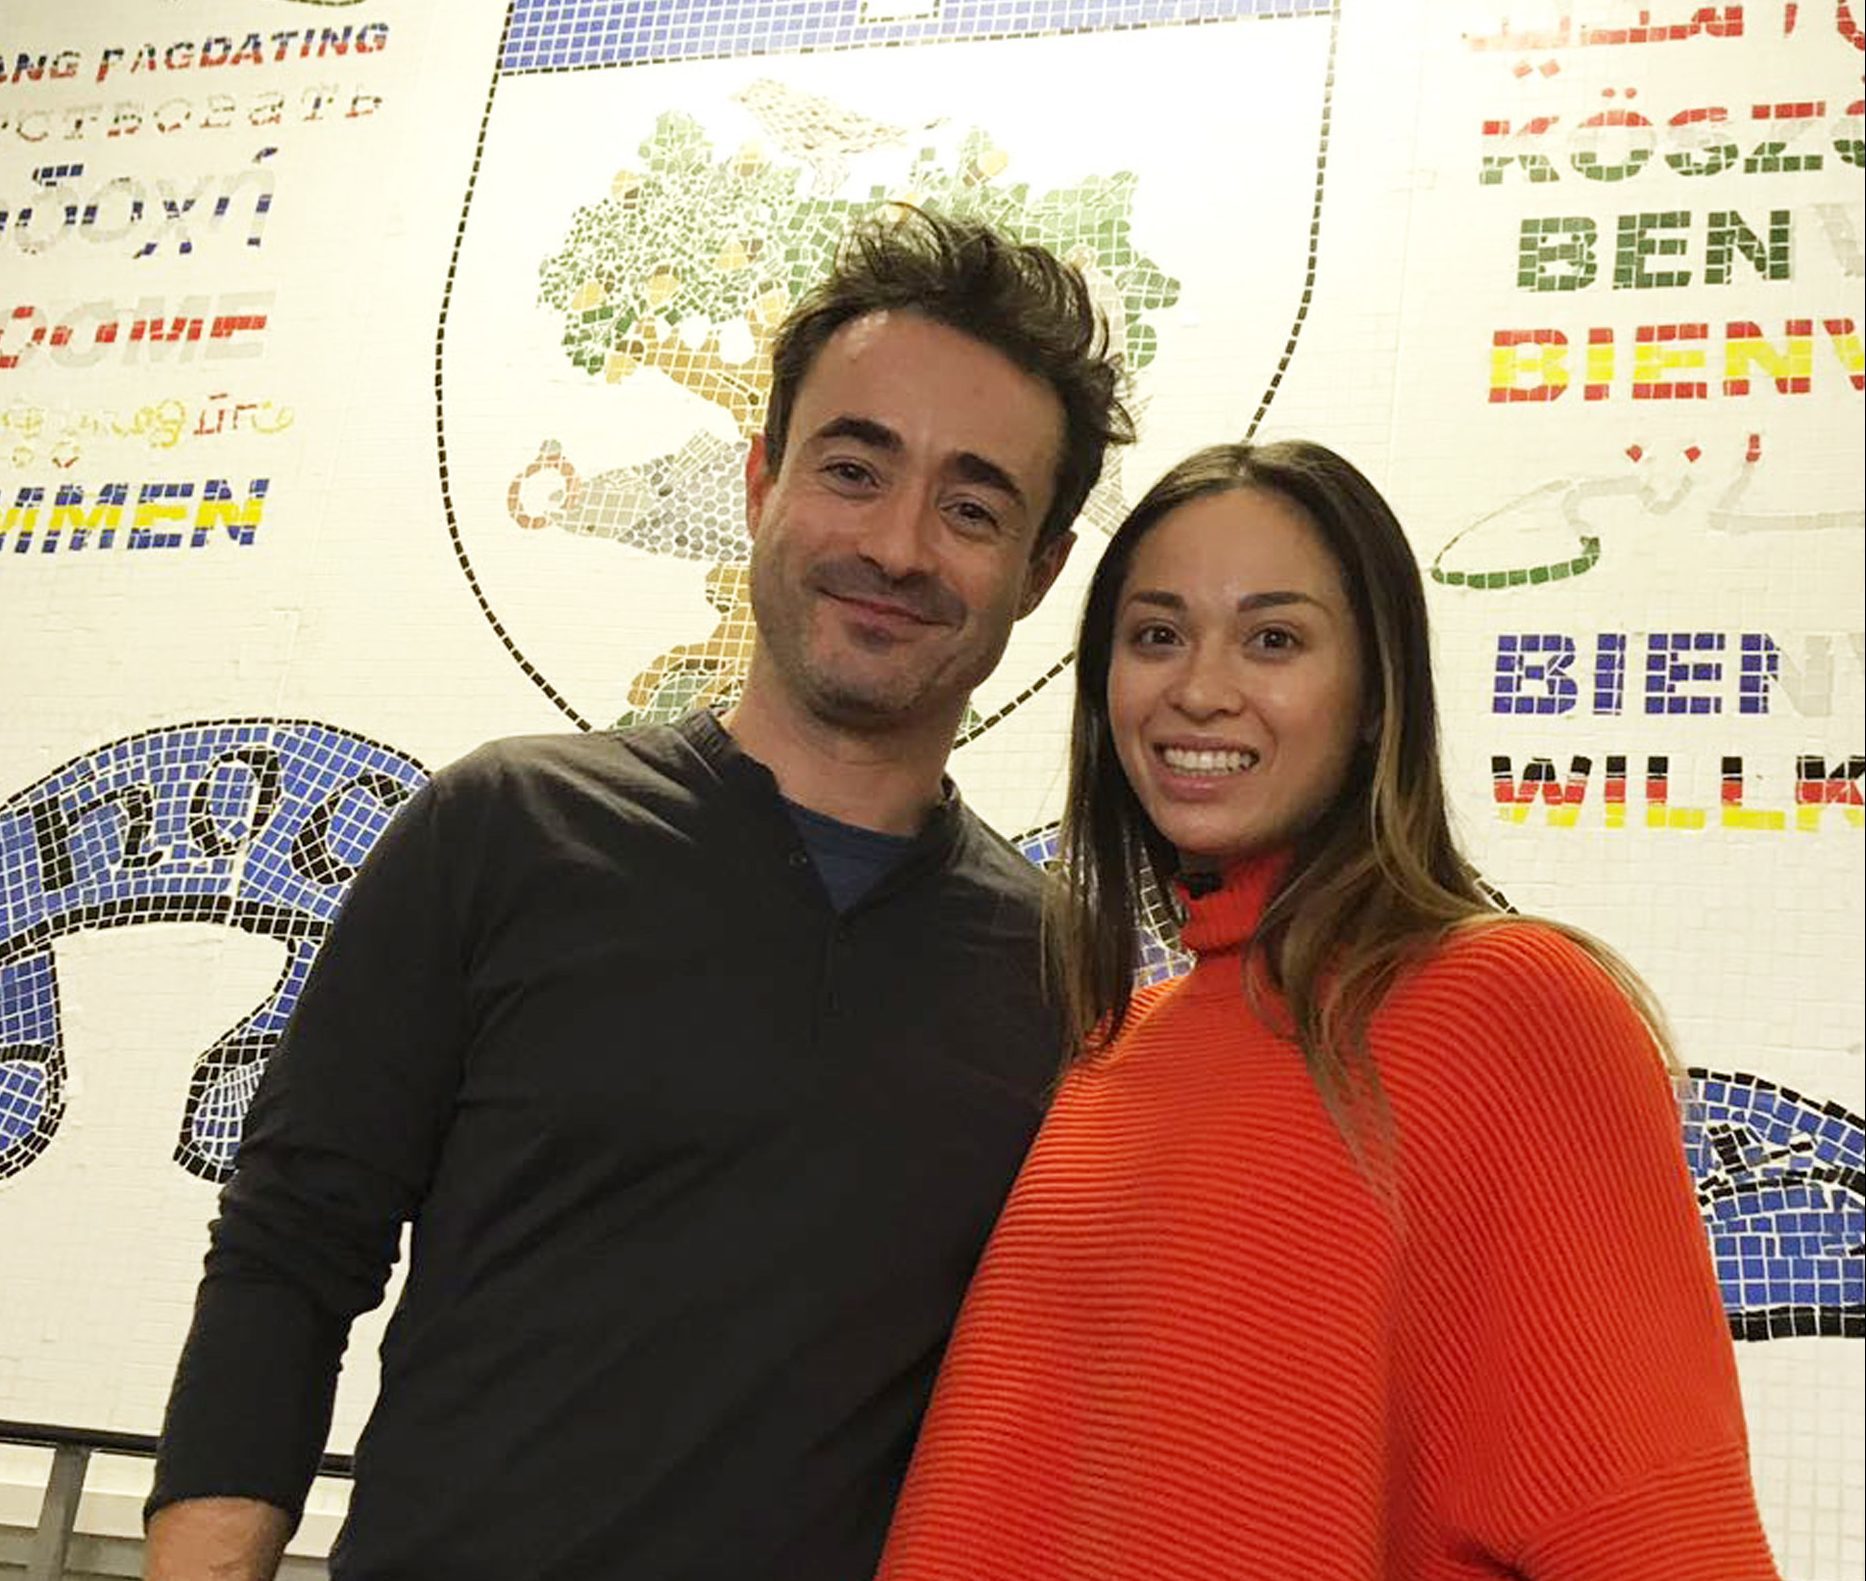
<point>698,1170</point>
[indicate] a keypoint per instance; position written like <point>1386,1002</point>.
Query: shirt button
<point>799,859</point>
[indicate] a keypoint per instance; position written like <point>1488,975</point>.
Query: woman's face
<point>1234,685</point>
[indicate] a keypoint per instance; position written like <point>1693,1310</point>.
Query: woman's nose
<point>1208,683</point>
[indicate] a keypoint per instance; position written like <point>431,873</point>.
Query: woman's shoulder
<point>1520,998</point>
<point>1509,962</point>
<point>1512,1055</point>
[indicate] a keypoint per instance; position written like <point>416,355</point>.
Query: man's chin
<point>878,704</point>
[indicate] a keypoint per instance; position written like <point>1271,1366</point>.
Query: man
<point>700,1056</point>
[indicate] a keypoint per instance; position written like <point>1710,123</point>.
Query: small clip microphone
<point>1202,882</point>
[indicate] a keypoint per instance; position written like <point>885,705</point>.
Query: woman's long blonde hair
<point>1376,881</point>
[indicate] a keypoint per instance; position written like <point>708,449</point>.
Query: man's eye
<point>972,514</point>
<point>850,472</point>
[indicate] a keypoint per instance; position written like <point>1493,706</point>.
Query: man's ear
<point>757,485</point>
<point>1045,566</point>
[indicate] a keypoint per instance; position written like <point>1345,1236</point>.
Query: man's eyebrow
<point>864,431</point>
<point>974,468</point>
<point>970,466</point>
<point>1161,599</point>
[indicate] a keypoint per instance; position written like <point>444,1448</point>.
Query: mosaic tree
<point>692,261</point>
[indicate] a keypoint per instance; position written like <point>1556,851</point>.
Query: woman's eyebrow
<point>1162,599</point>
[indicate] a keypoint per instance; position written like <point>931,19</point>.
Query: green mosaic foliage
<point>694,237</point>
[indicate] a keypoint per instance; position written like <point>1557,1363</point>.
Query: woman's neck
<point>1225,905</point>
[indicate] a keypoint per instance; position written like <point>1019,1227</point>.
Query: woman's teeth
<point>1183,760</point>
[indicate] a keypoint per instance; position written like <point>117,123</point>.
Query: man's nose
<point>900,531</point>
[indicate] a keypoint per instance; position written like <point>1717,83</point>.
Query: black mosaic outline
<point>32,1147</point>
<point>1793,1322</point>
<point>974,732</point>
<point>563,704</point>
<point>1315,229</point>
<point>1061,665</point>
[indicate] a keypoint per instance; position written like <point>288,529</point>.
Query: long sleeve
<point>1577,1392</point>
<point>339,1143</point>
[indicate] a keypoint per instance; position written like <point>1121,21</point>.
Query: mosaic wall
<point>376,378</point>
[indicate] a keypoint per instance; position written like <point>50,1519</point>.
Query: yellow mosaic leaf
<point>588,295</point>
<point>661,285</point>
<point>618,365</point>
<point>770,308</point>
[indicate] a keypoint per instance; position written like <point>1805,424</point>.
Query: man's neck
<point>887,781</point>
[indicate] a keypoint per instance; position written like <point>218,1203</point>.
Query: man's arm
<point>216,1540</point>
<point>338,1149</point>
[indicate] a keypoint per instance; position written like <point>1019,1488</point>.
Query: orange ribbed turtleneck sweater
<point>1199,1349</point>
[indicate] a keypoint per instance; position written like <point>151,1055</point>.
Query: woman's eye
<point>1153,635</point>
<point>1277,640</point>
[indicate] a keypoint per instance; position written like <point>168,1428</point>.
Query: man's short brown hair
<point>1019,299</point>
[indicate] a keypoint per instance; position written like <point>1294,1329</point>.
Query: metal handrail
<point>47,1435</point>
<point>72,1448</point>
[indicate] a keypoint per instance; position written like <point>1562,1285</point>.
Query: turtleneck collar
<point>1223,918</point>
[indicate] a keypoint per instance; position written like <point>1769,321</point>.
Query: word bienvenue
<point>1672,362</point>
<point>1685,673</point>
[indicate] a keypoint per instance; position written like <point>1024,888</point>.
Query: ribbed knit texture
<point>1201,1348</point>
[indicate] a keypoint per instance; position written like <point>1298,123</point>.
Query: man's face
<point>891,551</point>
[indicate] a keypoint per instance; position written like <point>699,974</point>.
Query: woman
<point>1367,1250</point>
